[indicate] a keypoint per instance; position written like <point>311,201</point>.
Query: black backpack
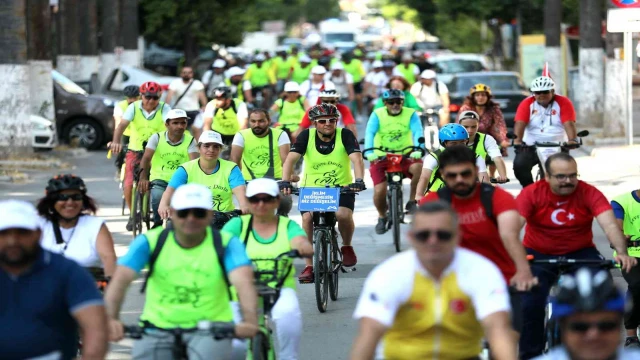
<point>486,198</point>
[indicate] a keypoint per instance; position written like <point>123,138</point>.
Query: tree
<point>315,11</point>
<point>39,55</point>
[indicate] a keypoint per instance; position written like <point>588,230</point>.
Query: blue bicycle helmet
<point>392,94</point>
<point>452,132</point>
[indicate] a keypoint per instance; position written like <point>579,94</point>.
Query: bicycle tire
<point>320,269</point>
<point>259,347</point>
<point>395,218</point>
<point>137,219</point>
<point>334,272</point>
<point>146,210</point>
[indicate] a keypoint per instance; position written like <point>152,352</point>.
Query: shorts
<point>517,317</point>
<point>346,200</point>
<point>378,168</point>
<point>191,117</point>
<point>357,87</point>
<point>132,160</point>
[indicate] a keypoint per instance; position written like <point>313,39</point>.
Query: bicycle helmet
<point>329,93</point>
<point>392,94</point>
<point>222,92</point>
<point>586,291</point>
<point>131,91</point>
<point>65,182</point>
<point>543,83</point>
<point>469,114</point>
<point>323,110</point>
<point>150,88</point>
<point>452,132</point>
<point>478,88</point>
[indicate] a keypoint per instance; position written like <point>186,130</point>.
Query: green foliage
<point>315,11</point>
<point>462,34</point>
<point>400,12</point>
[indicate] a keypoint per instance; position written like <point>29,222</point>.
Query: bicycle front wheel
<point>396,205</point>
<point>146,210</point>
<point>137,204</point>
<point>259,347</point>
<point>334,271</point>
<point>320,269</point>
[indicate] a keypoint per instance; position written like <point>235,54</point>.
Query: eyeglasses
<point>545,92</point>
<point>465,175</point>
<point>563,177</point>
<point>197,213</point>
<point>602,326</point>
<point>264,199</point>
<point>151,97</point>
<point>441,235</point>
<point>395,102</point>
<point>65,197</point>
<point>324,121</point>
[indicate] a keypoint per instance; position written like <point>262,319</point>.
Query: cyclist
<point>69,225</point>
<point>435,301</point>
<point>393,127</point>
<point>267,235</point>
<point>223,178</point>
<point>189,93</point>
<point>260,152</point>
<point>484,145</point>
<point>431,177</point>
<point>373,88</point>
<point>260,77</point>
<point>291,107</point>
<point>589,308</point>
<point>189,282</point>
<point>559,214</point>
<point>225,115</point>
<point>281,67</point>
<point>627,210</point>
<point>432,93</point>
<point>212,78</point>
<point>544,116</point>
<point>400,83</point>
<point>330,96</point>
<point>301,71</point>
<point>165,151</point>
<point>132,93</point>
<point>343,82</point>
<point>354,67</point>
<point>327,152</point>
<point>147,117</point>
<point>235,82</point>
<point>408,70</point>
<point>312,88</point>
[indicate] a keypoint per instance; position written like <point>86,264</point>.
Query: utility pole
<point>553,48</point>
<point>15,127</point>
<point>110,29</point>
<point>591,103</point>
<point>129,27</point>
<point>39,54</point>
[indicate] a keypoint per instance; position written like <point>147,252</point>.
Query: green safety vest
<point>239,91</point>
<point>225,121</point>
<point>435,182</point>
<point>291,113</point>
<point>630,224</point>
<point>187,285</point>
<point>407,72</point>
<point>300,74</point>
<point>394,132</point>
<point>142,128</point>
<point>258,76</point>
<point>255,156</point>
<point>218,182</point>
<point>123,105</point>
<point>479,146</point>
<point>282,68</point>
<point>167,157</point>
<point>355,69</point>
<point>332,169</point>
<point>292,61</point>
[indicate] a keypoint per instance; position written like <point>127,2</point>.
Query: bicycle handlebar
<point>563,261</point>
<point>219,330</point>
<point>398,152</point>
<point>343,190</point>
<point>495,181</point>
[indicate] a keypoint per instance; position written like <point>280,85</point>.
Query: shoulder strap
<point>154,256</point>
<point>271,170</point>
<point>249,229</point>
<point>184,93</point>
<point>220,250</point>
<point>486,197</point>
<point>56,230</point>
<point>233,106</point>
<point>300,102</point>
<point>475,142</point>
<point>437,86</point>
<point>445,194</point>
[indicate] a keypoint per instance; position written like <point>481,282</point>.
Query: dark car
<point>507,89</point>
<point>79,115</point>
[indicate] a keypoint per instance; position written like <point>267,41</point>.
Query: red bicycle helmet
<point>150,88</point>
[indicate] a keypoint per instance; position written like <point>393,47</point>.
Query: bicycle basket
<point>271,272</point>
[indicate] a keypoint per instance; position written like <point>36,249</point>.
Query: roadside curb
<point>31,164</point>
<point>617,152</point>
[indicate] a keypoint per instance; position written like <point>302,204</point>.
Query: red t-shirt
<point>345,116</point>
<point>479,233</point>
<point>558,225</point>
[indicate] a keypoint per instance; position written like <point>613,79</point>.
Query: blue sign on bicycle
<point>319,199</point>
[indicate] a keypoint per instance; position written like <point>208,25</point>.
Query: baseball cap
<point>304,58</point>
<point>18,214</point>
<point>337,66</point>
<point>262,186</point>
<point>176,114</point>
<point>377,64</point>
<point>318,70</point>
<point>428,74</point>
<point>407,56</point>
<point>235,71</point>
<point>219,63</point>
<point>388,63</point>
<point>210,136</point>
<point>291,86</point>
<point>260,57</point>
<point>469,115</point>
<point>192,196</point>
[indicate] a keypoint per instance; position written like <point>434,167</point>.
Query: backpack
<point>486,198</point>
<point>233,107</point>
<point>280,104</point>
<point>162,239</point>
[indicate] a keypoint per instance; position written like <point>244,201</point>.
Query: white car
<point>44,133</point>
<point>126,75</point>
<point>447,65</point>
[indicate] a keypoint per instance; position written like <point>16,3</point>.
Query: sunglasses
<point>330,101</point>
<point>602,326</point>
<point>324,121</point>
<point>151,97</point>
<point>65,197</point>
<point>441,235</point>
<point>465,174</point>
<point>292,93</point>
<point>542,92</point>
<point>395,102</point>
<point>197,213</point>
<point>264,199</point>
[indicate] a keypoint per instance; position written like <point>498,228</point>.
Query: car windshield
<point>68,85</point>
<point>495,82</point>
<point>458,65</point>
<point>426,45</point>
<point>339,37</point>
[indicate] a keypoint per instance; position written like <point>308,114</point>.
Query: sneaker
<point>411,206</point>
<point>130,224</point>
<point>632,342</point>
<point>381,227</point>
<point>306,276</point>
<point>349,257</point>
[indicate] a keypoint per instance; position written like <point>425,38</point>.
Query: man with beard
<point>260,152</point>
<point>188,94</point>
<point>559,213</point>
<point>47,299</point>
<point>488,219</point>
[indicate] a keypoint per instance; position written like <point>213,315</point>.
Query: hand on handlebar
<point>416,155</point>
<point>115,147</point>
<point>358,185</point>
<point>371,157</point>
<point>523,280</point>
<point>163,211</point>
<point>285,187</point>
<point>116,330</point>
<point>626,262</point>
<point>245,330</point>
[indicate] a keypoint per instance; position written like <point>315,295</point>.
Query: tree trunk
<point>15,127</point>
<point>109,28</point>
<point>39,55</point>
<point>130,32</point>
<point>190,50</point>
<point>553,49</point>
<point>591,103</point>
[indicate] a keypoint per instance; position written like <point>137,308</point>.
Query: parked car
<point>126,75</point>
<point>87,118</point>
<point>507,89</point>
<point>447,65</point>
<point>44,133</point>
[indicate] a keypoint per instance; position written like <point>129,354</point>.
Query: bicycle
<point>269,275</point>
<point>395,175</point>
<point>101,283</point>
<point>297,168</point>
<point>327,256</point>
<point>430,123</point>
<point>121,179</point>
<point>140,206</point>
<point>220,218</point>
<point>179,349</point>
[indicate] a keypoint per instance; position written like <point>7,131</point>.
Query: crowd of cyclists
<point>241,139</point>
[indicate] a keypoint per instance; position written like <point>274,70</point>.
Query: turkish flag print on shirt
<point>558,225</point>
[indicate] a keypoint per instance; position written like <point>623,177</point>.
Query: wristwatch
<point>359,180</point>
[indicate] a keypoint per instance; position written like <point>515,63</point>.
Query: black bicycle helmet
<point>65,182</point>
<point>392,94</point>
<point>222,92</point>
<point>131,91</point>
<point>323,110</point>
<point>586,291</point>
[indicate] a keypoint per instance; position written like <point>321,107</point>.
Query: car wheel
<point>84,132</point>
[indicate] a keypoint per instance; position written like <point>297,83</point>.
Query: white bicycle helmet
<point>329,92</point>
<point>543,83</point>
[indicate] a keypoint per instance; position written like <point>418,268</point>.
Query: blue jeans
<point>157,189</point>
<point>535,301</point>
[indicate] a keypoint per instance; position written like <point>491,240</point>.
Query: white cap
<point>192,196</point>
<point>260,57</point>
<point>235,71</point>
<point>337,66</point>
<point>176,114</point>
<point>18,214</point>
<point>210,136</point>
<point>262,186</point>
<point>219,63</point>
<point>407,56</point>
<point>304,58</point>
<point>428,74</point>
<point>291,86</point>
<point>318,70</point>
<point>377,64</point>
